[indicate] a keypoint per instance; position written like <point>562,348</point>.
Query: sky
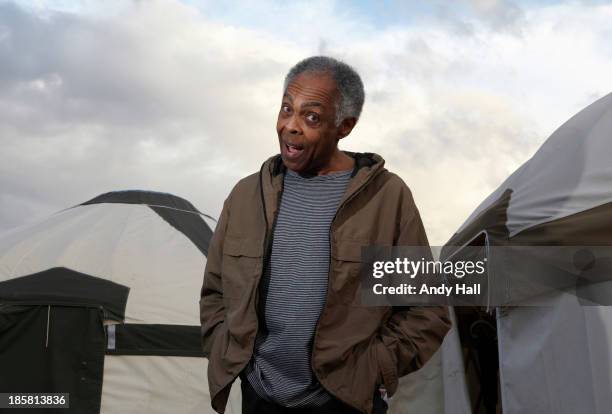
<point>182,96</point>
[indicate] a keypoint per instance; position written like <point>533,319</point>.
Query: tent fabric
<point>189,224</point>
<point>587,228</point>
<point>437,387</point>
<point>489,226</point>
<point>454,390</point>
<point>419,391</point>
<point>547,362</point>
<point>53,349</point>
<point>144,197</point>
<point>154,339</point>
<point>102,299</point>
<point>178,212</point>
<point>569,173</point>
<point>135,384</point>
<point>64,286</point>
<point>127,244</point>
<point>554,358</point>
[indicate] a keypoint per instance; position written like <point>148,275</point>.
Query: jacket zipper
<point>267,240</point>
<point>267,246</point>
<point>355,193</point>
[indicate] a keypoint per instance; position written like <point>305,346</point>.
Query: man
<point>280,304</point>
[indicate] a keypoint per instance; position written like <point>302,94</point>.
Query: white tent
<point>555,358</point>
<point>101,301</point>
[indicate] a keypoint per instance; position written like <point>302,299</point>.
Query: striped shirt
<point>294,289</point>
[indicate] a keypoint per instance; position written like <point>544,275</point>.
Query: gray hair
<point>347,80</point>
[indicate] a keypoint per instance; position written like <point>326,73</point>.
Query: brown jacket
<point>355,347</point>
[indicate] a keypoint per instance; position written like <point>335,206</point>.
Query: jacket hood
<point>366,163</point>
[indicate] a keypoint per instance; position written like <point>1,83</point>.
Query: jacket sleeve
<point>412,334</point>
<point>211,295</point>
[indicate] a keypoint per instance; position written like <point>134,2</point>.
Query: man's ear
<point>346,127</point>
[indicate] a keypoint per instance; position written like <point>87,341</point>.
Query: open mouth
<point>293,150</point>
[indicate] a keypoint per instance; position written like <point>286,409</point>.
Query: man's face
<point>306,127</point>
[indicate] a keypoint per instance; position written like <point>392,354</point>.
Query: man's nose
<point>293,125</point>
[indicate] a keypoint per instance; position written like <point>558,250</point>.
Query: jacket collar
<point>362,159</point>
<point>367,166</point>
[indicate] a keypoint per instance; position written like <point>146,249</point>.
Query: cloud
<point>498,14</point>
<point>154,97</point>
<point>183,98</point>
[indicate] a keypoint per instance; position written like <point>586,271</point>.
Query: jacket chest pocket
<point>347,264</point>
<point>242,265</point>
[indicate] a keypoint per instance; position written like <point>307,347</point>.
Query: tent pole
<point>47,339</point>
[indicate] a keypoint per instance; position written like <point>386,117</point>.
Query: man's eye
<point>285,108</point>
<point>312,117</point>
